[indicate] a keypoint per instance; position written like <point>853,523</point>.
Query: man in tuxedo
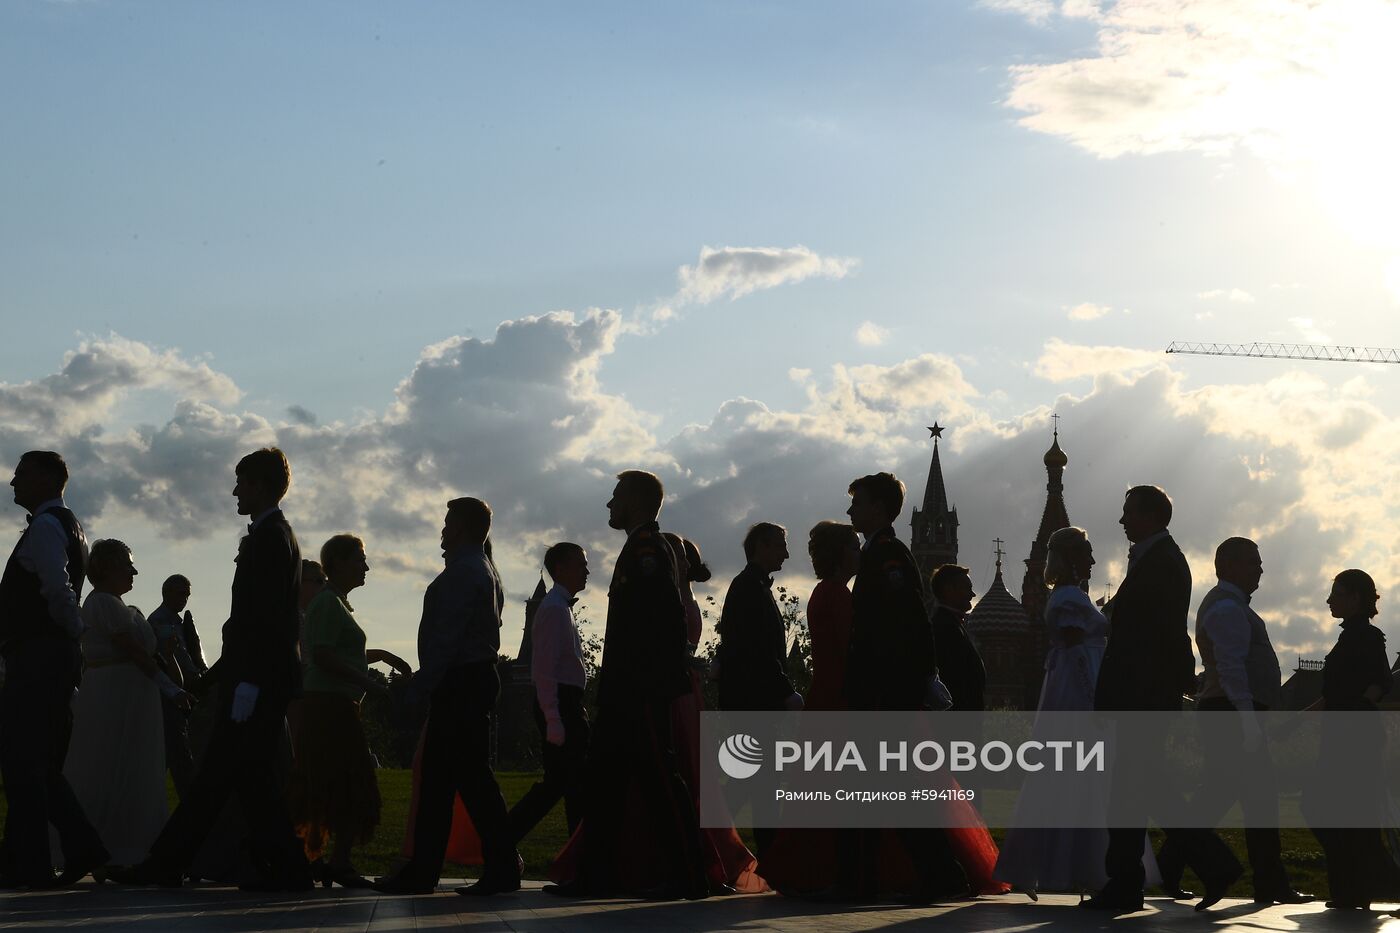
<point>177,646</point>
<point>752,651</point>
<point>1147,666</point>
<point>39,630</point>
<point>1241,677</point>
<point>459,642</point>
<point>645,668</point>
<point>891,666</point>
<point>257,674</point>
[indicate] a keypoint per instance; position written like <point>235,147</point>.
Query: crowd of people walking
<point>95,701</point>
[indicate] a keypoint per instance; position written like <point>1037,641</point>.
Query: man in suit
<point>39,630</point>
<point>179,652</point>
<point>960,665</point>
<point>1241,676</point>
<point>257,674</point>
<point>459,642</point>
<point>752,651</point>
<point>891,665</point>
<point>645,667</point>
<point>1147,666</point>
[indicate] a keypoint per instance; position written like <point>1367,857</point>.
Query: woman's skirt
<point>332,789</point>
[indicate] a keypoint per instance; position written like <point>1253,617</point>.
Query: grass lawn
<point>1301,852</point>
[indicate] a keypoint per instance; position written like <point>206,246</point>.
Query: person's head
<point>636,499</point>
<point>262,479</point>
<point>40,475</point>
<point>951,585</point>
<point>175,592</point>
<point>834,549</point>
<point>343,560</point>
<point>468,521</point>
<point>1146,511</point>
<point>1069,557</point>
<point>1353,595</point>
<point>567,564</point>
<point>765,546</point>
<point>1237,561</point>
<point>111,568</point>
<point>313,580</point>
<point>876,501</point>
<point>698,570</point>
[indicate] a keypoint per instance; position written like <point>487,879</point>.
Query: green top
<point>330,621</point>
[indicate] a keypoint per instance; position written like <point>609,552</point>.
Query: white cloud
<point>1037,11</point>
<point>1063,362</point>
<point>1238,295</point>
<point>734,271</point>
<point>1308,329</point>
<point>870,334</point>
<point>1087,311</point>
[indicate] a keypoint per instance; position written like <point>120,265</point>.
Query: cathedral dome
<point>997,612</point>
<point>1055,457</point>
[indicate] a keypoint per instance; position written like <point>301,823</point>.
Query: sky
<point>442,249</point>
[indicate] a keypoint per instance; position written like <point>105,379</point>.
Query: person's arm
<point>380,656</point>
<point>776,663</point>
<point>449,612</point>
<point>330,663</point>
<point>548,641</point>
<point>48,549</point>
<point>1227,626</point>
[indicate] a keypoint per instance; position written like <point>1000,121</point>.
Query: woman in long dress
<point>333,788</point>
<point>1034,859</point>
<point>116,759</point>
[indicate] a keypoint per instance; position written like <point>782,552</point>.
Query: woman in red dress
<point>805,862</point>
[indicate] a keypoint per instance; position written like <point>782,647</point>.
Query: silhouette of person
<point>752,651</point>
<point>177,643</point>
<point>644,669</point>
<point>1147,666</point>
<point>891,665</point>
<point>39,630</point>
<point>459,640</point>
<point>257,673</point>
<point>1241,675</point>
<point>333,787</point>
<point>1355,675</point>
<point>960,665</point>
<point>559,676</point>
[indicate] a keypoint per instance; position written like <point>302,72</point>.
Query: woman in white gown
<point>1032,858</point>
<point>116,760</point>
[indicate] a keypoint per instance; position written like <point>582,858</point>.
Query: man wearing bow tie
<point>556,667</point>
<point>39,630</point>
<point>257,675</point>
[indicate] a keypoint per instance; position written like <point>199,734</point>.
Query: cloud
<point>1238,295</point>
<point>870,334</point>
<point>732,271</point>
<point>1087,311</point>
<point>1309,330</point>
<point>1037,11</point>
<point>100,372</point>
<point>1062,362</point>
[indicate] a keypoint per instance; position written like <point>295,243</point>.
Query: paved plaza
<point>217,908</point>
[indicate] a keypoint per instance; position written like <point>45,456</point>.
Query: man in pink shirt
<point>556,667</point>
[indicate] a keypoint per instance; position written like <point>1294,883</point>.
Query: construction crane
<point>1289,351</point>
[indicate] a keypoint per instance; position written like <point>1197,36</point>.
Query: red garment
<point>463,846</point>
<point>802,861</point>
<point>829,622</point>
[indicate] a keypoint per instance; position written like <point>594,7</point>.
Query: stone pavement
<point>217,908</point>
